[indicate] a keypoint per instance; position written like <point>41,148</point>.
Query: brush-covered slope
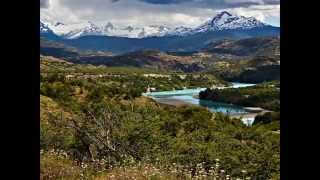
<point>263,46</point>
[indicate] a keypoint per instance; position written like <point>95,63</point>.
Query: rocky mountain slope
<point>222,21</point>
<point>263,46</point>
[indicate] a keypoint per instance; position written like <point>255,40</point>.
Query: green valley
<point>95,124</point>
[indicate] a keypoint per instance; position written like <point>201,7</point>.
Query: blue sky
<point>157,12</point>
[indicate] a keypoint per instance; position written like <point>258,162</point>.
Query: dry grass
<point>57,165</point>
<point>54,167</point>
<point>49,107</point>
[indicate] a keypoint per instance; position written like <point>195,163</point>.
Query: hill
<point>246,60</point>
<point>166,43</point>
<point>151,59</point>
<point>262,46</point>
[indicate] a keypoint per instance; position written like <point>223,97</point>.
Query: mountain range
<point>222,21</point>
<point>118,40</point>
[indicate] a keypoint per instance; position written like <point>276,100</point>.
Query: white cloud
<point>136,12</point>
<point>263,13</point>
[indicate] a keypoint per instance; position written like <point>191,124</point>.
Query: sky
<point>156,12</point>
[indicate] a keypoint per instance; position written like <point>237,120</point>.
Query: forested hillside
<point>100,127</point>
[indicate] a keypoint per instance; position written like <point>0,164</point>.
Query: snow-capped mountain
<point>226,21</point>
<point>179,31</point>
<point>44,28</point>
<point>220,22</point>
<point>134,32</point>
<point>84,30</point>
<point>72,31</point>
<point>47,31</point>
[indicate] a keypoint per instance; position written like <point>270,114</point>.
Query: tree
<point>96,133</point>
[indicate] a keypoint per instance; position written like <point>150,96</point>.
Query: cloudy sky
<point>156,12</point>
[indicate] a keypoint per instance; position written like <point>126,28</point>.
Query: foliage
<point>186,136</point>
<point>53,166</point>
<point>104,124</point>
<point>265,95</point>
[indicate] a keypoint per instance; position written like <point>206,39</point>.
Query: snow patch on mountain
<point>44,28</point>
<point>220,22</point>
<point>227,21</point>
<point>71,31</point>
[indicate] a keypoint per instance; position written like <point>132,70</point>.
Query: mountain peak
<point>108,27</point>
<point>223,14</point>
<point>59,23</point>
<point>129,28</point>
<point>44,28</point>
<point>221,17</point>
<point>226,21</point>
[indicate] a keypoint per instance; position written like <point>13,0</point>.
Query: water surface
<point>189,96</point>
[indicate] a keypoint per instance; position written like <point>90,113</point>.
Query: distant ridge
<point>222,21</point>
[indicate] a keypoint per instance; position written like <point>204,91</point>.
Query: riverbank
<point>172,102</point>
<point>247,117</point>
<point>190,97</point>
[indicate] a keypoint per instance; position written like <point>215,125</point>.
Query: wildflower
<point>211,171</point>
